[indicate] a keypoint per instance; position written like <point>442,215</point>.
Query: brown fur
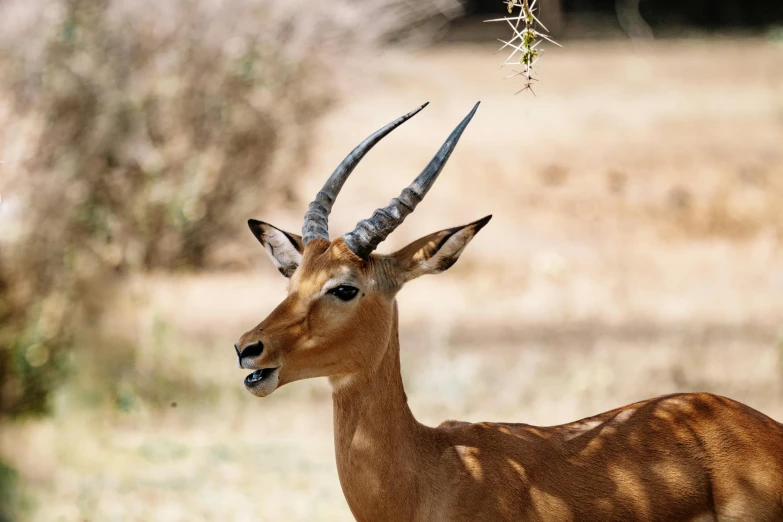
<point>674,458</point>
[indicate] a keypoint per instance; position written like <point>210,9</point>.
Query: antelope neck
<point>379,445</point>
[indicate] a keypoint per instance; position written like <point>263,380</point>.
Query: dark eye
<point>344,292</point>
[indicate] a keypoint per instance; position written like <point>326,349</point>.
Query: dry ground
<point>636,250</point>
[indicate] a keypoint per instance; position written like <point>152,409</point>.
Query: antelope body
<point>684,457</point>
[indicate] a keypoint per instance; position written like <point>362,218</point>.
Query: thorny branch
<point>529,39</point>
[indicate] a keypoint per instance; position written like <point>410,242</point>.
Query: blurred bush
<point>139,135</point>
<point>9,501</point>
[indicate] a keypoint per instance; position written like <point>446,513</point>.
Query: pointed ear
<point>436,252</point>
<point>285,249</point>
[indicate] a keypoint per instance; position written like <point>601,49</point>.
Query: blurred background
<point>636,249</point>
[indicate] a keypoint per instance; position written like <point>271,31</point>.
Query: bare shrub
<point>138,136</point>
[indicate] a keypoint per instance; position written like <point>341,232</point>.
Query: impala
<point>680,457</point>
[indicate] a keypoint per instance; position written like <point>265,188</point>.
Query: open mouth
<point>259,376</point>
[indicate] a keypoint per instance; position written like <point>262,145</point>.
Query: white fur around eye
<point>330,284</point>
<point>343,278</point>
<point>336,283</point>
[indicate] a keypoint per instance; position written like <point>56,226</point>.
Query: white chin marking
<point>265,386</point>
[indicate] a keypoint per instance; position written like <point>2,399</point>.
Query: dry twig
<point>529,39</point>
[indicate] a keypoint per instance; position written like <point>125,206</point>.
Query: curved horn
<point>316,220</point>
<point>369,233</point>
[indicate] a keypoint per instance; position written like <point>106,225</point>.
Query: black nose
<point>252,350</point>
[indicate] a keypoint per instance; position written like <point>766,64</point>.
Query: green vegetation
<point>8,492</point>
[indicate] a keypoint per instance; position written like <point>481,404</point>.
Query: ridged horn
<point>369,233</point>
<point>316,220</point>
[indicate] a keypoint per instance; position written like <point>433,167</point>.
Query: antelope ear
<point>436,252</point>
<point>285,249</point>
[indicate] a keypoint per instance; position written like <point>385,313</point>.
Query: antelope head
<point>338,316</point>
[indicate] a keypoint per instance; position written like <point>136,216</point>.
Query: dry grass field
<point>636,250</point>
